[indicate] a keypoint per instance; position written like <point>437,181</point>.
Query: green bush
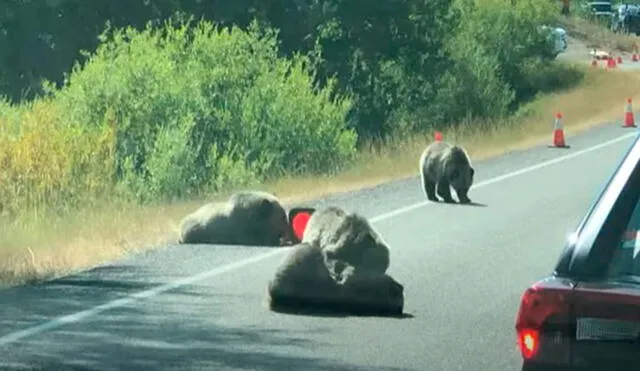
<point>188,107</point>
<point>493,50</point>
<point>198,108</point>
<point>406,65</point>
<point>493,56</point>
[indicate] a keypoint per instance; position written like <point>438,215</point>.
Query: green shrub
<point>47,165</point>
<point>496,57</point>
<point>494,50</point>
<point>200,108</point>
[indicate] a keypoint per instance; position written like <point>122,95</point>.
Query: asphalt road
<point>202,307</point>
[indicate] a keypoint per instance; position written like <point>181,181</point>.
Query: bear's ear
<point>265,208</point>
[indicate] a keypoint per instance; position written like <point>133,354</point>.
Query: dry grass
<point>35,249</point>
<point>598,36</point>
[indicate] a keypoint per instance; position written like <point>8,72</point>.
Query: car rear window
<point>626,257</point>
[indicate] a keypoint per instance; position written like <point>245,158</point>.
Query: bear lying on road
<point>347,238</point>
<point>339,266</point>
<point>303,281</point>
<point>247,218</point>
<point>443,165</point>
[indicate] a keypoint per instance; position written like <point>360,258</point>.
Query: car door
<point>607,309</point>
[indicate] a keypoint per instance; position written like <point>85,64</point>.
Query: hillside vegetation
<point>176,101</point>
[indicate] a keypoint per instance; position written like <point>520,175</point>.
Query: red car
<point>586,314</point>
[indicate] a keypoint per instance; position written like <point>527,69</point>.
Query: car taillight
<point>299,224</point>
<point>543,321</point>
<point>528,342</point>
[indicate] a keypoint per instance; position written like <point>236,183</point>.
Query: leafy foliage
<point>164,107</point>
<point>190,108</point>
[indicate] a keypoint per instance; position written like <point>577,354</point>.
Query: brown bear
<point>253,218</point>
<point>347,237</point>
<point>443,165</point>
<point>340,265</point>
<point>303,282</point>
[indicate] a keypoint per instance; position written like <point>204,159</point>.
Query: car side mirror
<point>298,219</point>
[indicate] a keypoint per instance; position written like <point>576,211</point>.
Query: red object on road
<point>629,119</point>
<point>558,132</point>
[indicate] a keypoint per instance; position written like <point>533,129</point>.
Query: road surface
<point>202,307</point>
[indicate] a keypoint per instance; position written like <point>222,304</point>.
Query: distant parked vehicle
<point>599,9</point>
<point>626,19</point>
<point>559,39</point>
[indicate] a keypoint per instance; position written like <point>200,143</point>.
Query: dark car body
<point>586,314</point>
<point>627,21</point>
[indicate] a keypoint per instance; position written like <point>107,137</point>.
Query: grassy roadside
<point>596,36</point>
<point>42,248</point>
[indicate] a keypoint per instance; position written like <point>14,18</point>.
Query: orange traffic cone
<point>558,133</point>
<point>629,120</point>
<point>437,136</point>
<point>619,60</point>
<point>611,63</point>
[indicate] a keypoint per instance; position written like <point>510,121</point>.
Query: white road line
<point>500,178</point>
<point>78,316</point>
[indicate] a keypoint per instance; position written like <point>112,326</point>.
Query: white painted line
<point>500,178</point>
<point>78,316</point>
